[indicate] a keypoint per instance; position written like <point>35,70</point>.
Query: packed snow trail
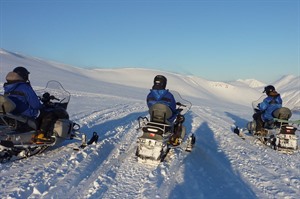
<point>206,172</point>
<point>221,164</point>
<point>68,164</point>
<point>253,163</point>
<point>103,158</point>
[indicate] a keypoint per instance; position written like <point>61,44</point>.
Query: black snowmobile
<point>158,135</point>
<point>280,133</point>
<point>17,132</point>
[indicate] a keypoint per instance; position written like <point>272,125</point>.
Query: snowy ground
<point>221,165</point>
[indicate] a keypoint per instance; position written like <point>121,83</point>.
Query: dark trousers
<point>259,121</point>
<point>47,119</point>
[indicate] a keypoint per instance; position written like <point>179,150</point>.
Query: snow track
<point>221,163</point>
<point>250,162</point>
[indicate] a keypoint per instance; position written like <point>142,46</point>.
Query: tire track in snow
<point>63,160</point>
<point>256,163</point>
<point>33,167</point>
<point>170,169</point>
<point>121,173</point>
<point>99,158</point>
<point>101,115</point>
<point>213,171</point>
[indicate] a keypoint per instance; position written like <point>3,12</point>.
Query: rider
<point>159,94</point>
<point>19,90</point>
<point>266,108</point>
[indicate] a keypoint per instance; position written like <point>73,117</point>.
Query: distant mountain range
<point>138,81</point>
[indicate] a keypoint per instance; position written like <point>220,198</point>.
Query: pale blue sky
<point>216,40</point>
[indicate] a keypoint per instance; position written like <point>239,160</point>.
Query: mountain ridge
<point>108,81</point>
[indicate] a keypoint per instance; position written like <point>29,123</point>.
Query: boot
<point>40,138</point>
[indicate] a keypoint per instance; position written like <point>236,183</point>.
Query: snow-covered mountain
<point>139,81</point>
<point>108,101</point>
<point>252,83</point>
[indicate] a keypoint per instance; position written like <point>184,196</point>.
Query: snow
<point>109,101</point>
<point>252,83</point>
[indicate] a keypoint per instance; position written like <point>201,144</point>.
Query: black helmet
<point>269,89</point>
<point>160,81</point>
<point>22,72</point>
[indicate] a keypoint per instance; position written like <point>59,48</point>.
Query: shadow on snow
<point>207,170</point>
<point>240,122</point>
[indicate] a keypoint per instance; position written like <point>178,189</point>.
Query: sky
<point>217,40</point>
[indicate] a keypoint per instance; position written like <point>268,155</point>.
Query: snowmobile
<point>17,132</point>
<point>158,135</point>
<point>279,133</point>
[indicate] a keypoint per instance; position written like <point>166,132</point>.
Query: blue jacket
<point>269,105</point>
<point>26,100</point>
<point>162,96</point>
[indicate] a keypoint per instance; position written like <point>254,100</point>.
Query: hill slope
<point>139,81</point>
<point>221,165</point>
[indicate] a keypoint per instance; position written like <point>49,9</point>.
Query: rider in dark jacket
<point>159,94</point>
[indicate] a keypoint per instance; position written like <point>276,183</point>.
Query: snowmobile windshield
<point>183,104</point>
<point>54,93</point>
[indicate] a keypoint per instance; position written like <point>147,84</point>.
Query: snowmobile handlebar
<point>47,97</point>
<point>179,110</point>
<point>179,104</point>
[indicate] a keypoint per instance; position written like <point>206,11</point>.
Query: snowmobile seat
<point>282,113</point>
<point>30,122</point>
<point>160,113</point>
<point>7,105</point>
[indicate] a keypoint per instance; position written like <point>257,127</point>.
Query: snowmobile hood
<point>159,94</point>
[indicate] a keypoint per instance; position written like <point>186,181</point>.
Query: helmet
<point>269,89</point>
<point>22,72</point>
<point>160,80</point>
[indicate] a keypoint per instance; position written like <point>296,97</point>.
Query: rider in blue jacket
<point>159,94</point>
<point>266,108</point>
<point>19,90</point>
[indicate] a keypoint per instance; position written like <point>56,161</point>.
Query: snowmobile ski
<point>84,143</point>
<point>9,151</point>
